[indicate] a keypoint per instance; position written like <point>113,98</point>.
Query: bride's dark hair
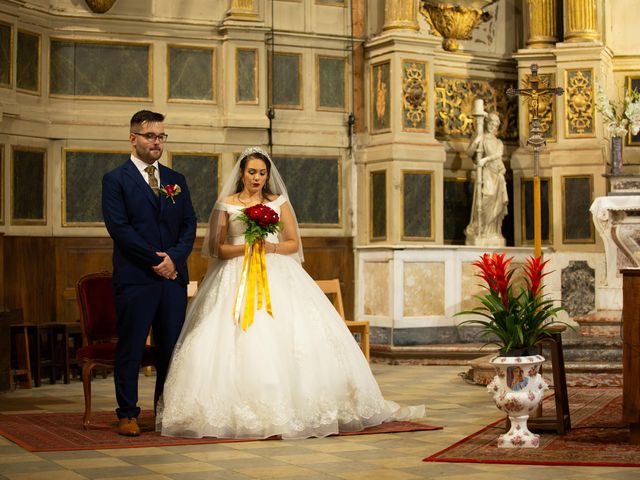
<point>266,191</point>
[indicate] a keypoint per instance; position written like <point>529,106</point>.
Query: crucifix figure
<point>536,141</point>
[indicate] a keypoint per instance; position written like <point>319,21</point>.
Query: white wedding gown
<point>297,374</point>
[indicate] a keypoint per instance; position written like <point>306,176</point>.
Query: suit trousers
<point>160,305</point>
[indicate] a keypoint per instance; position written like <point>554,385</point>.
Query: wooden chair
<point>332,289</point>
<point>98,323</point>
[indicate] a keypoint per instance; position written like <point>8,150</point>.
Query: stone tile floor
<point>451,402</point>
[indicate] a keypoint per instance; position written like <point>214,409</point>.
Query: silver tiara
<point>253,150</point>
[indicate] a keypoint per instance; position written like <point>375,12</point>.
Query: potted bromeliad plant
<point>515,319</point>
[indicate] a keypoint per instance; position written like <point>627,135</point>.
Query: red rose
<point>169,189</point>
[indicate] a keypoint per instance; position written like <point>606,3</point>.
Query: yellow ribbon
<point>253,283</point>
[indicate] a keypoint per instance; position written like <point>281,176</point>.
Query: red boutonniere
<point>170,191</point>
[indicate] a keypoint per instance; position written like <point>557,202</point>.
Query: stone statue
<point>490,194</point>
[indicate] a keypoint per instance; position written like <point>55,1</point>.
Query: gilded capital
<point>242,8</point>
<point>541,17</point>
<point>400,15</point>
<point>581,21</point>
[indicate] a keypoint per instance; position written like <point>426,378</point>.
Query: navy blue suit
<point>140,224</point>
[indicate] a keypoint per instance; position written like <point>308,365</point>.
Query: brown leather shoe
<point>128,427</point>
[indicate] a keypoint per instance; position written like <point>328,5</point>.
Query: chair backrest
<point>332,289</point>
<point>98,319</point>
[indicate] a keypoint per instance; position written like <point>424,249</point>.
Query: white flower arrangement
<point>619,117</point>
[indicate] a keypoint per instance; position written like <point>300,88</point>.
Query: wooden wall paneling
<point>2,299</point>
<point>75,257</point>
<point>30,271</point>
<point>332,257</point>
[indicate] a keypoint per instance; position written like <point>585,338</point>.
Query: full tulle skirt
<point>297,373</point>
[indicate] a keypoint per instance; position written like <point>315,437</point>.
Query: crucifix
<point>536,141</point>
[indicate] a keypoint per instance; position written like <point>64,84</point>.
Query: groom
<point>148,213</point>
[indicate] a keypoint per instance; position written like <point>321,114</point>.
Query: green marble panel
<point>83,172</point>
<point>577,225</point>
<point>246,71</point>
<point>545,208</point>
<point>201,173</point>
<point>285,85</point>
<point>190,73</point>
<point>28,187</point>
<point>416,206</point>
<point>99,69</point>
<point>331,83</point>
<point>28,62</point>
<point>381,97</point>
<point>5,54</point>
<point>314,188</point>
<point>458,197</point>
<point>378,205</point>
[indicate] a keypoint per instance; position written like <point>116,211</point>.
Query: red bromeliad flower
<point>534,269</point>
<point>514,319</point>
<point>495,272</point>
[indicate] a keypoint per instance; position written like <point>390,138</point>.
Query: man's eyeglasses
<point>152,137</point>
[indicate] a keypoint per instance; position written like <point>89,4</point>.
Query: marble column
<point>541,16</point>
<point>242,8</point>
<point>581,21</point>
<point>400,15</point>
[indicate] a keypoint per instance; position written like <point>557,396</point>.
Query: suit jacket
<point>141,223</point>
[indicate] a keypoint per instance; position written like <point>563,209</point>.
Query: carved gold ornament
<point>454,98</point>
<point>454,22</point>
<point>414,96</point>
<point>100,6</point>
<point>580,103</point>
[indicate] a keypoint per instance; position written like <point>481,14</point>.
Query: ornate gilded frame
<point>431,219</point>
<point>579,98</point>
<point>413,99</point>
<point>28,221</point>
<point>38,91</point>
<point>105,98</point>
<point>214,83</point>
<point>592,237</point>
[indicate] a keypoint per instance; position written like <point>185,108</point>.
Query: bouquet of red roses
<point>261,221</point>
<point>253,288</point>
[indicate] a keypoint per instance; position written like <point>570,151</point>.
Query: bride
<point>297,372</point>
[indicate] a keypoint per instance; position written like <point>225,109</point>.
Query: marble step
<point>592,349</point>
<point>604,323</point>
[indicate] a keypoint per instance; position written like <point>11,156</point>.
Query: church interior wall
<point>362,236</point>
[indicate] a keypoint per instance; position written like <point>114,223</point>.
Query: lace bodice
<point>235,233</point>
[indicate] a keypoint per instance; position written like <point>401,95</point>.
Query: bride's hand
<point>271,247</point>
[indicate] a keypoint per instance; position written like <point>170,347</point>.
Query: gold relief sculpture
<point>242,8</point>
<point>542,23</point>
<point>414,97</point>
<point>100,6</point>
<point>454,22</point>
<point>546,105</point>
<point>454,98</point>
<point>381,99</point>
<point>581,23</point>
<point>400,15</point>
<point>579,103</point>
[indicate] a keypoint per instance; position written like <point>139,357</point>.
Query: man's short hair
<point>146,116</point>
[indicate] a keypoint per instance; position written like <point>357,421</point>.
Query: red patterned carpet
<point>53,432</point>
<point>598,438</point>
